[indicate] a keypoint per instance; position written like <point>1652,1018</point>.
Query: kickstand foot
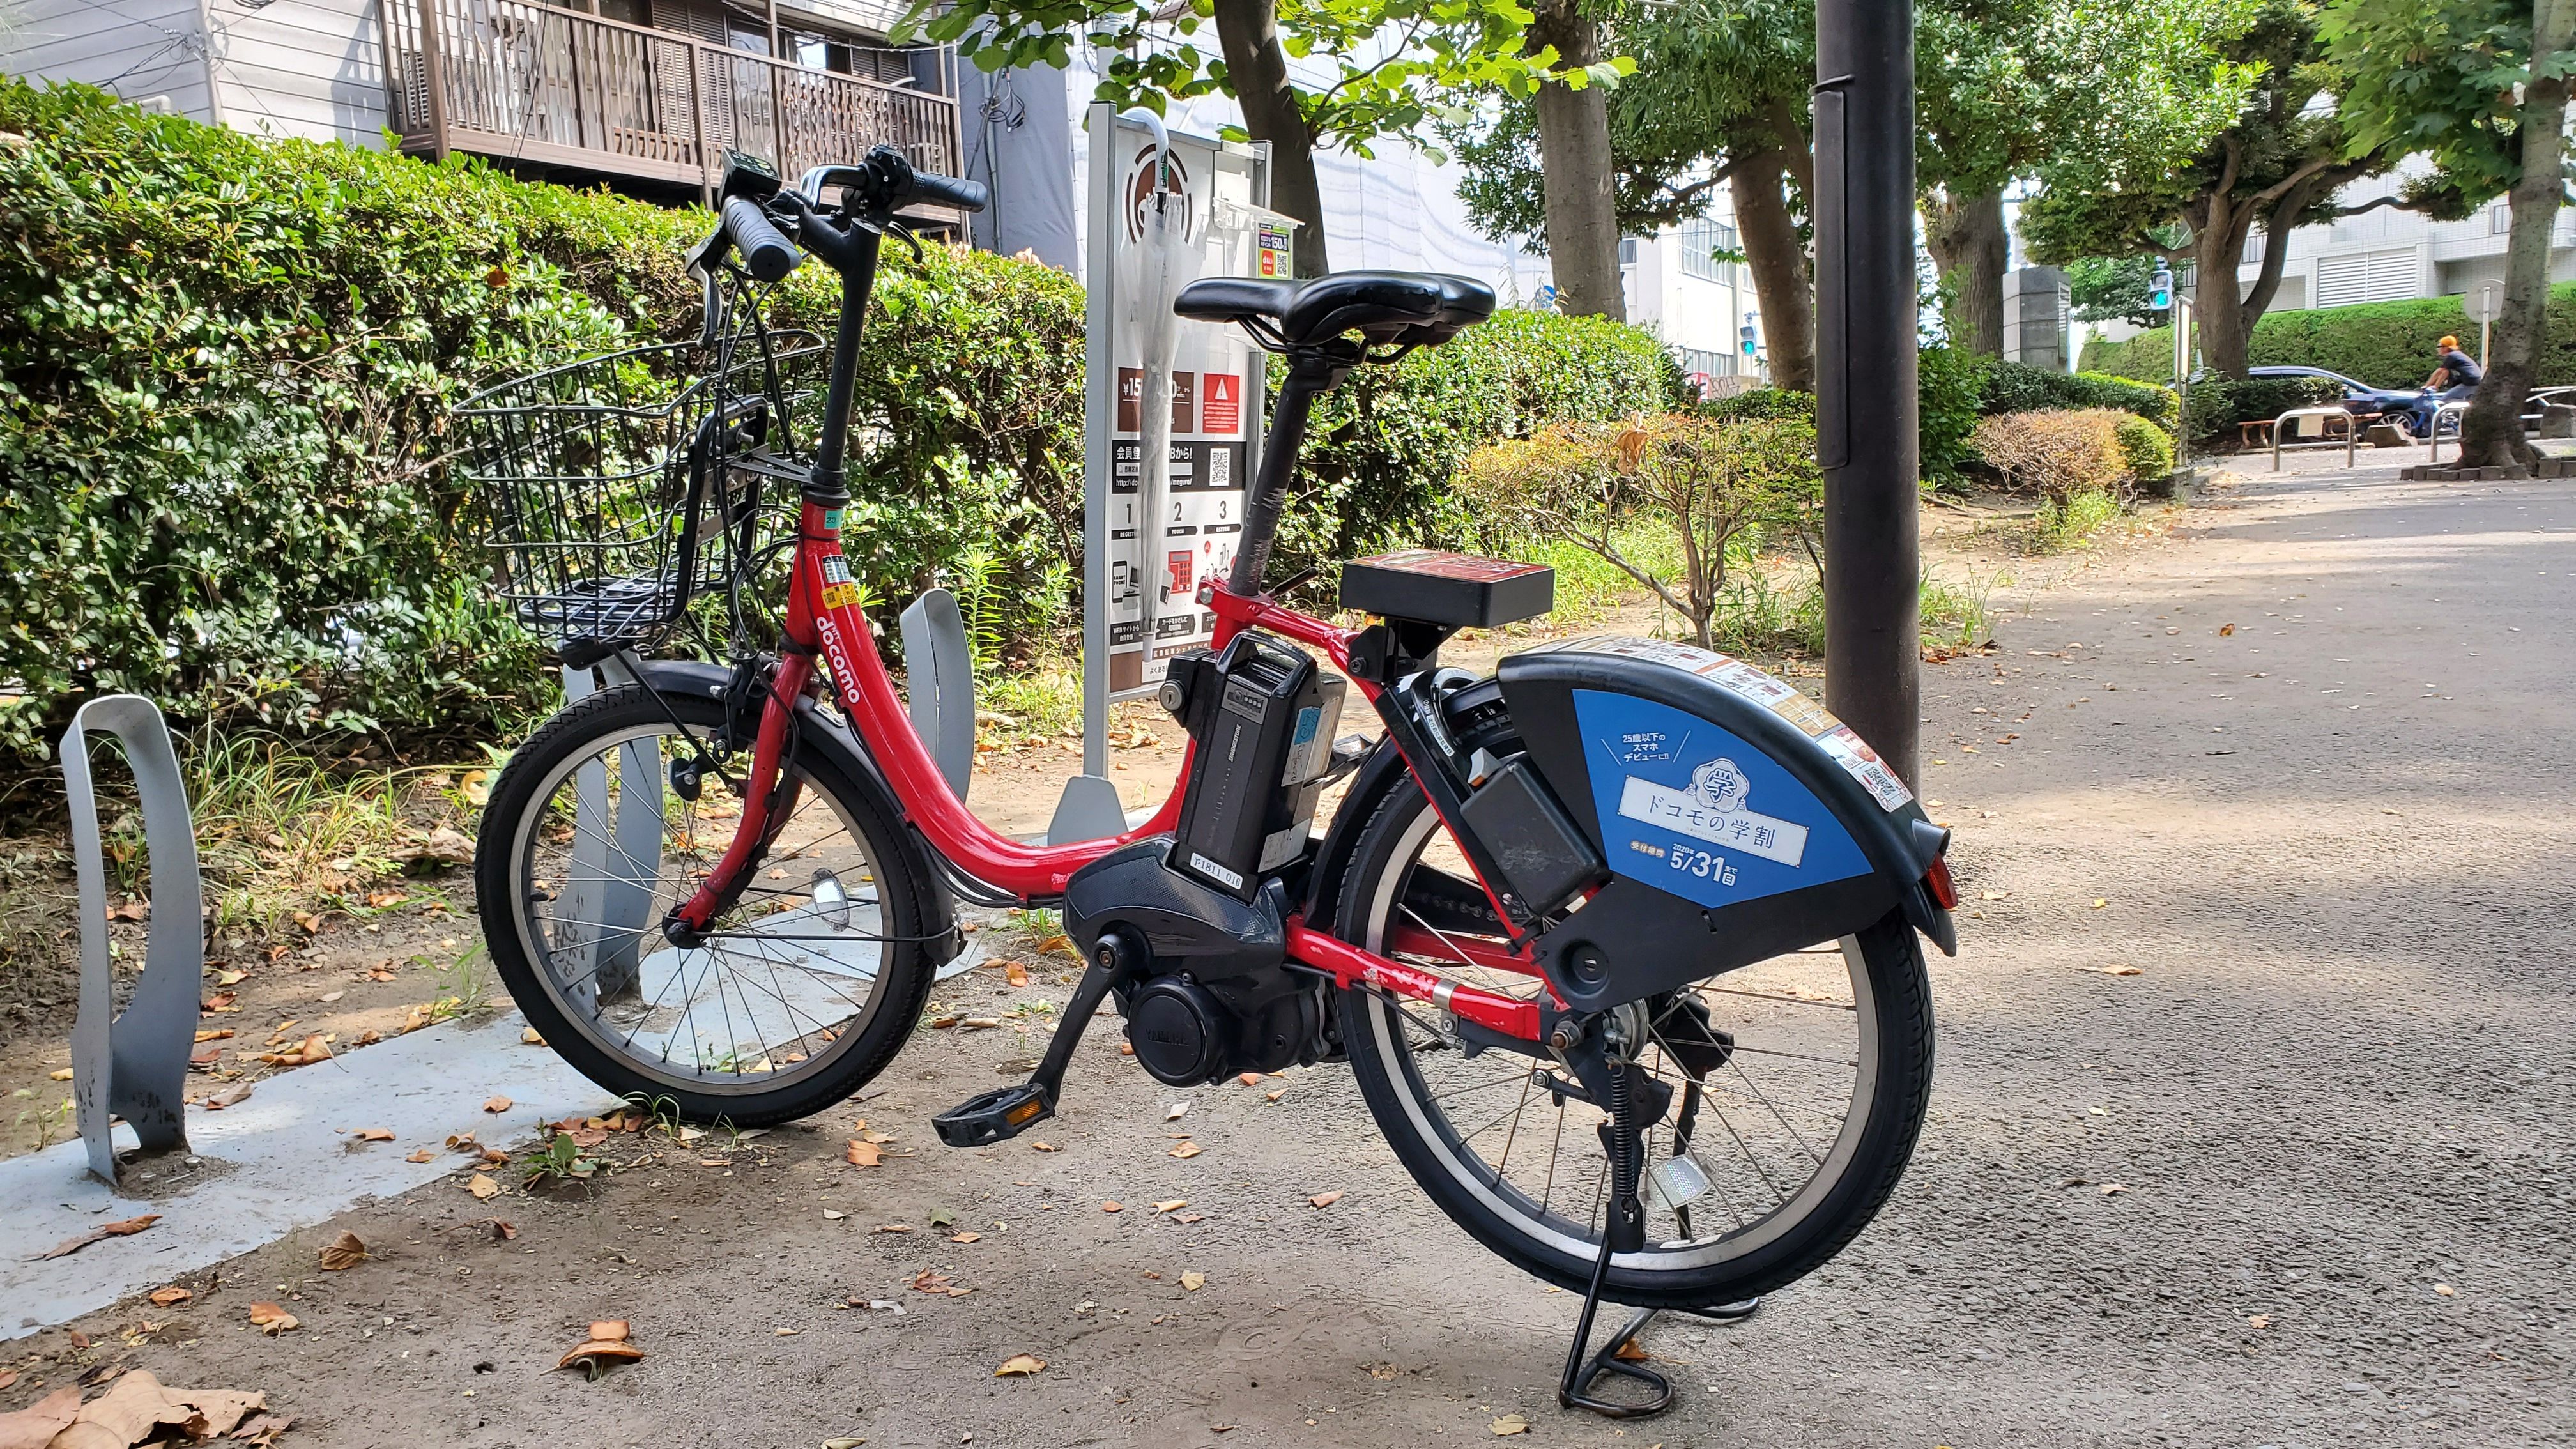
<point>1581,1372</point>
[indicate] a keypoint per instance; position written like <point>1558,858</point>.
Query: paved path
<point>2334,842</point>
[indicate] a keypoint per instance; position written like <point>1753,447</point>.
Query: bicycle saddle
<point>1416,309</point>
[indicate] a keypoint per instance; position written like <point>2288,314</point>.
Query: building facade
<point>643,95</point>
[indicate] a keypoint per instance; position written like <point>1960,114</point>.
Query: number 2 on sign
<point>1702,864</point>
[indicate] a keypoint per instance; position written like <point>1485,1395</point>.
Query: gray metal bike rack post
<point>2351,433</point>
<point>2433,435</point>
<point>134,1064</point>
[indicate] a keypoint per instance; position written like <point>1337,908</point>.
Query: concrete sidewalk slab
<point>284,1159</point>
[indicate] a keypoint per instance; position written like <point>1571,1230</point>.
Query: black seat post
<point>1312,372</point>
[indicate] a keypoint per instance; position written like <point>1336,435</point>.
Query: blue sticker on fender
<point>1693,809</point>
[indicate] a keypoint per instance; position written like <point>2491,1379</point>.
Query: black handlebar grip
<point>766,254</point>
<point>949,191</point>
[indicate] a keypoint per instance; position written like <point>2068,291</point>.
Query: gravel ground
<point>2299,1180</point>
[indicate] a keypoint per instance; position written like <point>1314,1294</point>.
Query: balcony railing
<point>521,81</point>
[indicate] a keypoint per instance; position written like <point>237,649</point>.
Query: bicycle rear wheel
<point>799,994</point>
<point>1789,1142</point>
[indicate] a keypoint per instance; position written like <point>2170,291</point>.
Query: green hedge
<point>2218,406</point>
<point>227,366</point>
<point>2385,344</point>
<point>225,379</point>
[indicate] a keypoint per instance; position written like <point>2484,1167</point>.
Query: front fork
<point>768,799</point>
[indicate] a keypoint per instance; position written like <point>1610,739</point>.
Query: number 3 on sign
<point>1702,864</point>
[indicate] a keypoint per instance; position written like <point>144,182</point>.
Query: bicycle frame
<point>824,619</point>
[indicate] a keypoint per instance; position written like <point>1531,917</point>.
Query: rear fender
<point>1739,818</point>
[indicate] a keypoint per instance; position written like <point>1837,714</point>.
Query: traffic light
<point>2160,289</point>
<point>1745,334</point>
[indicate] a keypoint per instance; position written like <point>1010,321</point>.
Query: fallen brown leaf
<point>162,1298</point>
<point>1511,1424</point>
<point>121,1228</point>
<point>270,1319</point>
<point>1173,1206</point>
<point>1113,1207</point>
<point>2113,970</point>
<point>503,1230</point>
<point>966,1237</point>
<point>343,1253</point>
<point>1015,973</point>
<point>2259,1320</point>
<point>594,1356</point>
<point>1249,1079</point>
<point>1187,1150</point>
<point>419,1154</point>
<point>231,1096</point>
<point>1326,1199</point>
<point>1021,1364</point>
<point>375,1134</point>
<point>1274,1096</point>
<point>1060,946</point>
<point>611,1330</point>
<point>8,1377</point>
<point>528,1034</point>
<point>496,1104</point>
<point>483,1188</point>
<point>1190,1218</point>
<point>1045,1147</point>
<point>1193,1282</point>
<point>864,1154</point>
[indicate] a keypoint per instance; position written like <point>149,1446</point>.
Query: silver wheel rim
<point>1501,1189</point>
<point>780,992</point>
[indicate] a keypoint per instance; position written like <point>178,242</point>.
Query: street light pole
<point>1865,369</point>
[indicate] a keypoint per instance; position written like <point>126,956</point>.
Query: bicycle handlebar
<point>766,252</point>
<point>949,191</point>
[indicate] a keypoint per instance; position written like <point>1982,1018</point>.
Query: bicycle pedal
<point>994,1116</point>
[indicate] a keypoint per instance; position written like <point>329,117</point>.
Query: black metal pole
<point>1865,340</point>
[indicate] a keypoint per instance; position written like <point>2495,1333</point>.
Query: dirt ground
<point>2295,759</point>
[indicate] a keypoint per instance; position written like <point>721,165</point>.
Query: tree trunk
<point>1257,70</point>
<point>2491,434</point>
<point>1779,265</point>
<point>2220,320</point>
<point>1969,247</point>
<point>1579,177</point>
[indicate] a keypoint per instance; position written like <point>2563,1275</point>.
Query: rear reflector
<point>1945,892</point>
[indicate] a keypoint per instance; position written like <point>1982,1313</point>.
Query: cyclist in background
<point>2455,380</point>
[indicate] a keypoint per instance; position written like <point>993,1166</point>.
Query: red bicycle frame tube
<point>823,615</point>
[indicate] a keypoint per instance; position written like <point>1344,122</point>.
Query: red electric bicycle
<point>1620,943</point>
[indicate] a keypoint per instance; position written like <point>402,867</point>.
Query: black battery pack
<point>1262,716</point>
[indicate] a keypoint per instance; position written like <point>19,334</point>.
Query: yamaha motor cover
<point>1737,818</point>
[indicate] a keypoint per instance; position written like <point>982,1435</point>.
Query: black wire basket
<point>618,487</point>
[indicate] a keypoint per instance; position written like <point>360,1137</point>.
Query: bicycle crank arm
<point>1006,1112</point>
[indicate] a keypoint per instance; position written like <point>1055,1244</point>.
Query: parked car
<point>2359,398</point>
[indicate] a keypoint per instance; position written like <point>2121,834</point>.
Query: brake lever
<point>909,239</point>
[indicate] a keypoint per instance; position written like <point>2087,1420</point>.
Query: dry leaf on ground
<point>375,1134</point>
<point>1059,945</point>
<point>343,1253</point>
<point>503,1230</point>
<point>496,1103</point>
<point>419,1154</point>
<point>35,1426</point>
<point>1113,1207</point>
<point>1015,973</point>
<point>121,1228</point>
<point>1274,1096</point>
<point>1249,1079</point>
<point>1172,1206</point>
<point>270,1319</point>
<point>1512,1424</point>
<point>228,1097</point>
<point>1193,1282</point>
<point>1021,1364</point>
<point>966,1238</point>
<point>1173,1112</point>
<point>864,1154</point>
<point>1326,1199</point>
<point>1187,1150</point>
<point>2113,970</point>
<point>594,1355</point>
<point>482,1187</point>
<point>1045,1147</point>
<point>163,1298</point>
<point>528,1034</point>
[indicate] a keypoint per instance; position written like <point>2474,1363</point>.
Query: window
<point>1701,241</point>
<point>1700,362</point>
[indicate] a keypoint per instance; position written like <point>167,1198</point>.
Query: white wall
<point>308,68</point>
<point>150,51</point>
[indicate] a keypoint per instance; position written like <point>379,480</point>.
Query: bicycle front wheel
<point>1773,1154</point>
<point>798,994</point>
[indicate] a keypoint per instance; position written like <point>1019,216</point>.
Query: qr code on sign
<point>1220,467</point>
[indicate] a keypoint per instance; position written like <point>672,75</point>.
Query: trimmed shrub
<point>2013,387</point>
<point>2385,344</point>
<point>1381,448</point>
<point>1760,402</point>
<point>2148,449</point>
<point>2056,453</point>
<point>1950,394</point>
